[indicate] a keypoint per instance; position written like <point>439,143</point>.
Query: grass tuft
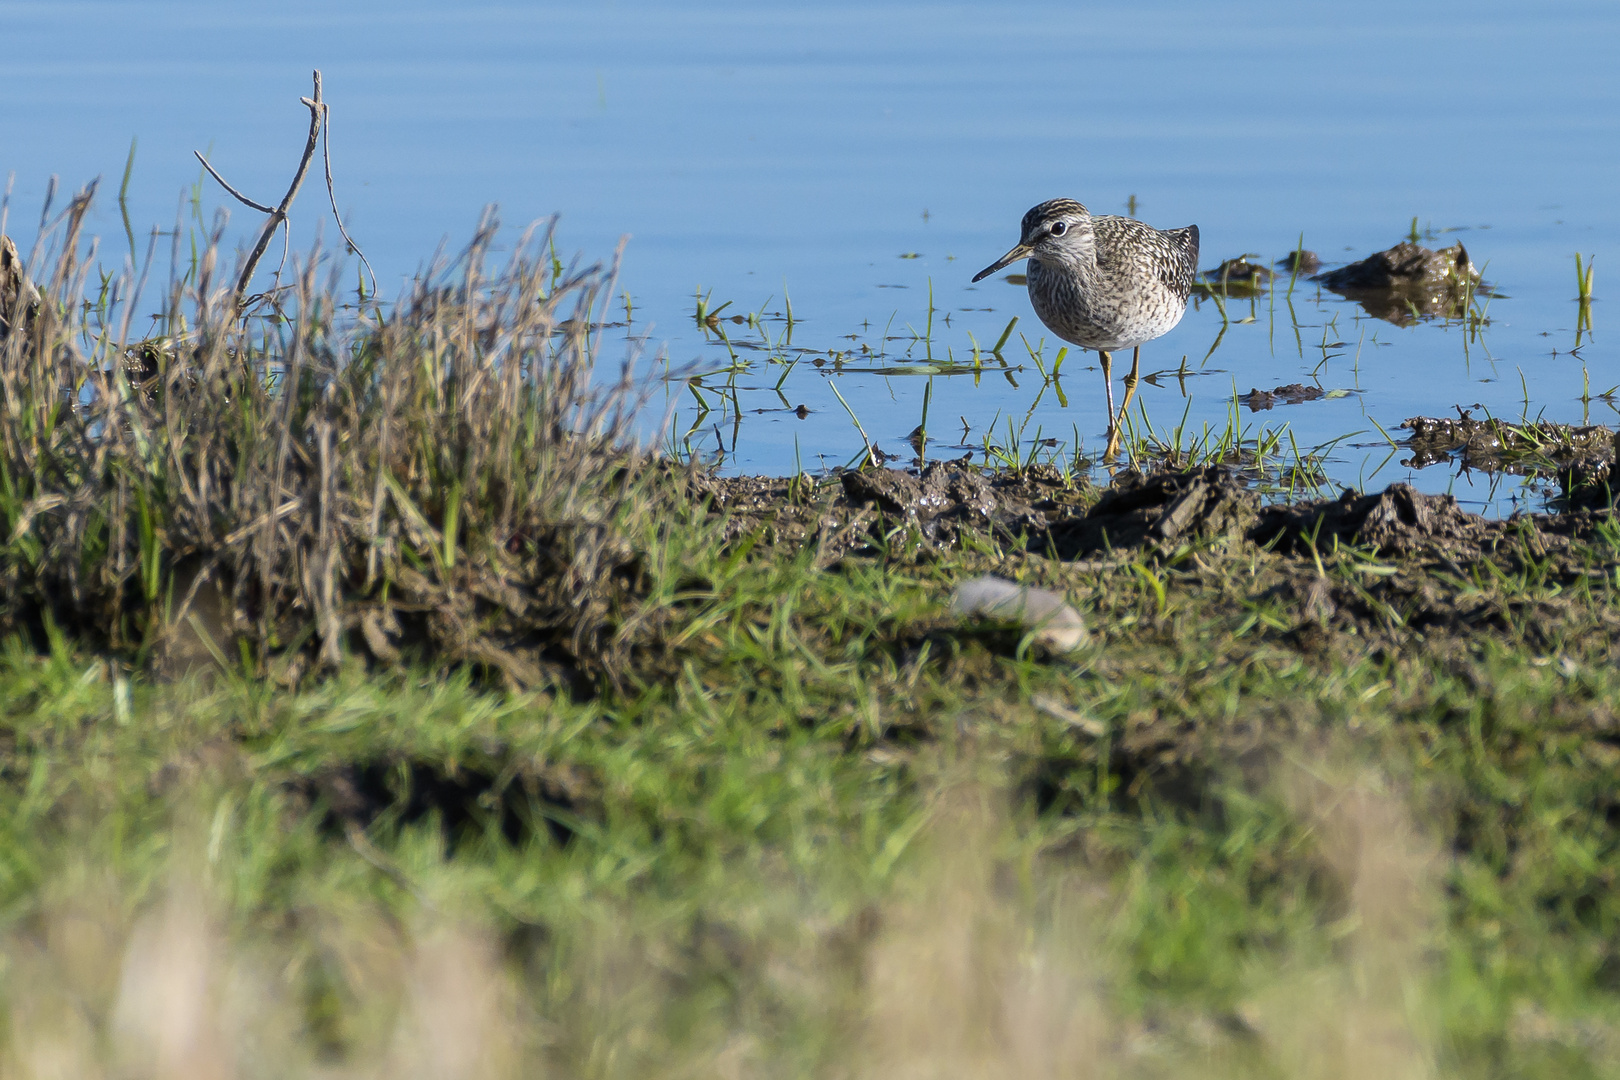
<point>443,480</point>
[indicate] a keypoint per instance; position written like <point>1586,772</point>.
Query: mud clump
<point>1494,446</point>
<point>1400,520</point>
<point>1257,400</point>
<point>944,499</point>
<point>1168,507</point>
<point>947,501</point>
<point>1407,281</point>
<point>1403,266</point>
<point>939,491</point>
<point>1037,506</point>
<point>858,509</point>
<point>1300,262</point>
<point>1239,270</point>
<point>1592,483</point>
<point>1238,277</point>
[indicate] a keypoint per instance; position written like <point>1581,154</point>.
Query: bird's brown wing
<point>1171,255</point>
<point>1178,269</point>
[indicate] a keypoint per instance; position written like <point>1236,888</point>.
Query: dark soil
<point>466,800</point>
<point>949,504</point>
<point>1037,508</point>
<point>1591,484</point>
<point>1398,521</point>
<point>1166,508</point>
<point>942,505</point>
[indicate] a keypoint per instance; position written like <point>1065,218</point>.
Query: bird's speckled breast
<point>1094,313</point>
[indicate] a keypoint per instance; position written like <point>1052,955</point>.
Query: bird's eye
<point>1059,228</point>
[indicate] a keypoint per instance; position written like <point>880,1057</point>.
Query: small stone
<point>1055,624</point>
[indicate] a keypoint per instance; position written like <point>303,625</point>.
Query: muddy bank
<point>943,506</point>
<point>1068,519</point>
<point>1394,571</point>
<point>1583,459</point>
<point>888,513</point>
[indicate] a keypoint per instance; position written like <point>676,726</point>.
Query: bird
<point>1104,282</point>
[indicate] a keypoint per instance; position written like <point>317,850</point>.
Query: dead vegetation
<point>442,480</point>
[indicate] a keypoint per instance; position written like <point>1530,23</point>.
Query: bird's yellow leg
<point>1130,383</point>
<point>1116,423</point>
<point>1113,417</point>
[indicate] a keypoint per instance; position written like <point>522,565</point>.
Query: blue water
<point>749,149</point>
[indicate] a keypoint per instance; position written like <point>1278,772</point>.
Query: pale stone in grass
<point>1056,624</point>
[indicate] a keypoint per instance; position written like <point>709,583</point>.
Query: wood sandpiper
<point>1105,283</point>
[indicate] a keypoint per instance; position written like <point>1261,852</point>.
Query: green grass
<point>780,851</point>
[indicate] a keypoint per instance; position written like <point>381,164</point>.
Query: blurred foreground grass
<point>393,716</point>
<point>819,852</point>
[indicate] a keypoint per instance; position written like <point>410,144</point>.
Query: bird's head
<point>1057,231</point>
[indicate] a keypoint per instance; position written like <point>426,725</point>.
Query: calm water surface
<point>856,156</point>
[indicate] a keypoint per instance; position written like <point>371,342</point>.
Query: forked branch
<point>319,120</point>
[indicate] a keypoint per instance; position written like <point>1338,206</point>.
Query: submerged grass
<point>1268,457</point>
<point>507,758</point>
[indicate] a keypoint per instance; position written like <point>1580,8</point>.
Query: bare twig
<point>278,215</point>
<point>316,115</point>
<point>326,152</point>
<point>260,207</point>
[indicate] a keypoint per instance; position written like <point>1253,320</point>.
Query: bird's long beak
<point>1022,251</point>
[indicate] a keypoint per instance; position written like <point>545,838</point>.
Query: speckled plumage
<point>1104,283</point>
